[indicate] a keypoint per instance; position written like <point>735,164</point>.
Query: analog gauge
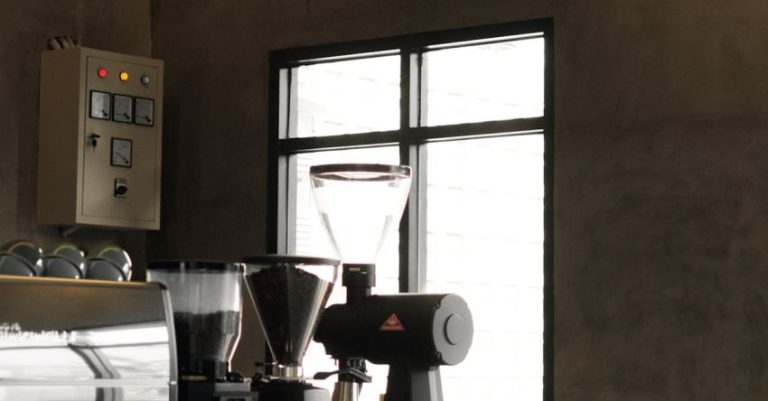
<point>145,110</point>
<point>122,152</point>
<point>122,108</point>
<point>100,105</point>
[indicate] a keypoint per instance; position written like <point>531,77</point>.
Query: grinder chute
<point>359,205</point>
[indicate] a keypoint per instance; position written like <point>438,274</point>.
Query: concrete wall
<point>661,111</point>
<point>661,222</point>
<point>25,25</point>
<point>661,215</point>
<point>215,150</point>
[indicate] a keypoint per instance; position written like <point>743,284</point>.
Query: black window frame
<point>409,139</point>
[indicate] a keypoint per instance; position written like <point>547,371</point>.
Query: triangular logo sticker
<point>392,324</point>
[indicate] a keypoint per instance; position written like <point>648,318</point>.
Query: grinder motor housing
<point>413,333</point>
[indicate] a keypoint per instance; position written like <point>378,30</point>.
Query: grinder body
<point>413,333</point>
<point>359,205</point>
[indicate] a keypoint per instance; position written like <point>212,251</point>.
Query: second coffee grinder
<point>207,306</point>
<point>289,294</point>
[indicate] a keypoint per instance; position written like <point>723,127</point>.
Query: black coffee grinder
<point>414,334</point>
<point>289,294</point>
<point>207,306</point>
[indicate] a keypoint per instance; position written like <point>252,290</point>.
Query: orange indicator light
<point>123,76</point>
<point>101,72</point>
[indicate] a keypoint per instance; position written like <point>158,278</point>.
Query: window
<point>471,111</point>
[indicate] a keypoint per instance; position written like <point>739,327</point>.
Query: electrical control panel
<point>100,139</point>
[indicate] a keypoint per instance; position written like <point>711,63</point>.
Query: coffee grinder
<point>205,297</point>
<point>359,204</point>
<point>289,294</point>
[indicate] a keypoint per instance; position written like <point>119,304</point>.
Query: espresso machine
<point>289,294</point>
<point>207,306</point>
<point>359,205</point>
<point>85,340</point>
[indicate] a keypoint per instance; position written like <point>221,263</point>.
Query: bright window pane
<point>312,240</point>
<point>485,220</point>
<point>486,82</point>
<point>347,97</point>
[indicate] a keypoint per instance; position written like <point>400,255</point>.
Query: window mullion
<point>290,171</point>
<point>549,185</point>
<point>292,103</point>
<point>412,226</point>
<point>287,168</point>
<point>421,89</point>
<point>415,79</point>
<point>408,269</point>
<point>278,183</point>
<point>406,100</point>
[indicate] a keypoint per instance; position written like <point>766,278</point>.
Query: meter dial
<point>122,108</point>
<point>145,110</point>
<point>122,152</point>
<point>100,105</point>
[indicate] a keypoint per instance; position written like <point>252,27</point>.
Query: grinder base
<point>214,391</point>
<point>277,390</point>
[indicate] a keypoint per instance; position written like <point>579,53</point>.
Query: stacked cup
<point>21,258</point>
<point>65,260</point>
<point>109,263</point>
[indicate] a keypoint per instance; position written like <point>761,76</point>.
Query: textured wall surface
<point>661,215</point>
<point>215,152</point>
<point>661,221</point>
<point>25,25</point>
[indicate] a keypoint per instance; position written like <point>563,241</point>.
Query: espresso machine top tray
<point>78,340</point>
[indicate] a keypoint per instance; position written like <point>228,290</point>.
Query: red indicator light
<point>101,72</point>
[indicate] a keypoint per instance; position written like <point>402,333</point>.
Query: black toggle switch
<point>121,188</point>
<point>94,139</point>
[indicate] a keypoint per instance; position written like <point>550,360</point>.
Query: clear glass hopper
<point>206,312</point>
<point>359,206</point>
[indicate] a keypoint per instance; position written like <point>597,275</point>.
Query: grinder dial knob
<point>455,329</point>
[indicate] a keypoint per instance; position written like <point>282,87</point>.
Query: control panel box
<point>100,139</point>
